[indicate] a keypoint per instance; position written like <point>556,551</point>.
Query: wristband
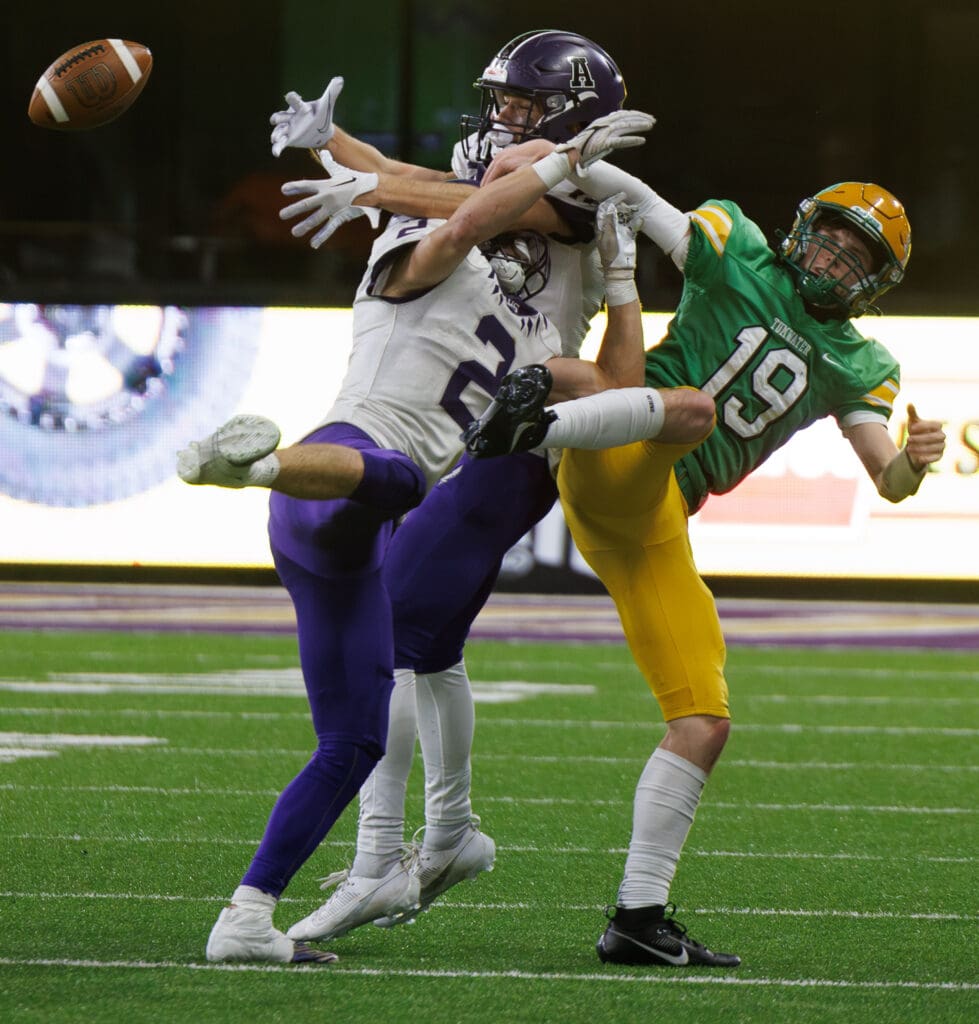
<point>552,169</point>
<point>620,286</point>
<point>620,293</point>
<point>900,479</point>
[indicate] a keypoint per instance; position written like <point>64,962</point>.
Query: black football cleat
<point>654,939</point>
<point>516,419</point>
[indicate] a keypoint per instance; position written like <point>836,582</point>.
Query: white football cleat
<point>246,933</point>
<point>439,870</point>
<point>237,454</point>
<point>358,900</point>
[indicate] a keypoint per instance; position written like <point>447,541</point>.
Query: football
<point>90,85</point>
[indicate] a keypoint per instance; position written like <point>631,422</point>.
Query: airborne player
<point>769,336</point>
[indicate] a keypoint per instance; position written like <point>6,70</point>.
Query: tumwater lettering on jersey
<point>785,332</point>
<point>743,334</point>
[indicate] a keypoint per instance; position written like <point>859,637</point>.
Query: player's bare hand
<point>513,158</point>
<point>926,439</point>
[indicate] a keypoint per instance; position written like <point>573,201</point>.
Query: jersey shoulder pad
<point>401,232</point>
<point>719,222</point>
<point>720,232</point>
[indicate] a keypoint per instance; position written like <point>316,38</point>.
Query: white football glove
<point>305,125</point>
<point>329,201</point>
<point>616,225</point>
<point>606,134</point>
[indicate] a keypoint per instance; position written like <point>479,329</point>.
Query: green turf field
<point>836,849</point>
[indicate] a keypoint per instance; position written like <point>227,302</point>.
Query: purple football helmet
<point>571,78</point>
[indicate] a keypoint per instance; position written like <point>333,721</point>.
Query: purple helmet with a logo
<point>573,79</point>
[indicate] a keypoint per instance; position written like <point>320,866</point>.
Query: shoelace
<point>336,878</point>
<point>669,922</point>
<point>409,857</point>
<point>677,929</point>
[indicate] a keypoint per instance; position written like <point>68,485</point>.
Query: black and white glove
<point>329,201</point>
<point>619,130</point>
<point>616,225</point>
<point>305,125</point>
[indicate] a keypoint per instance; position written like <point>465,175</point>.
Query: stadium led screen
<point>95,401</point>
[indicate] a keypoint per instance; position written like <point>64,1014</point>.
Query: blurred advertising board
<point>95,401</point>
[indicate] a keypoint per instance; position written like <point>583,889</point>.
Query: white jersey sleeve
<point>422,367</point>
<point>462,167</point>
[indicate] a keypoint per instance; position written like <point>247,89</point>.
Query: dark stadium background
<point>757,101</point>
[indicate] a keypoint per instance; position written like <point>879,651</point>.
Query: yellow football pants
<point>629,521</point>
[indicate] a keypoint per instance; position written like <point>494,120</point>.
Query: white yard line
<point>617,978</point>
<point>514,906</point>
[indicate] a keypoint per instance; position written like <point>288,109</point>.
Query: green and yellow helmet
<point>880,219</point>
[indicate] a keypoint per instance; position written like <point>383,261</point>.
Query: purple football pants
<point>329,556</point>
<point>446,555</point>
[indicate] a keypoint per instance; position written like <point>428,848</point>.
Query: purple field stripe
<point>72,625</point>
<point>553,618</point>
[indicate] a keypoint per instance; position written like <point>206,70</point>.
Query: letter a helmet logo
<point>580,74</point>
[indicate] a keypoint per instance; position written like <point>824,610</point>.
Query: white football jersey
<point>575,288</point>
<point>421,368</point>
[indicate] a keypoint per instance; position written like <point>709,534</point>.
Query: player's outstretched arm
<point>353,152</point>
<point>489,211</point>
<point>897,473</point>
<point>662,222</point>
<point>621,359</point>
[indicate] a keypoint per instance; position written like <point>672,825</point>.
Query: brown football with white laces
<point>90,85</point>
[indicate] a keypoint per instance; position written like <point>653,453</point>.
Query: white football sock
<point>666,800</point>
<point>254,899</point>
<point>445,730</point>
<point>381,821</point>
<point>606,420</point>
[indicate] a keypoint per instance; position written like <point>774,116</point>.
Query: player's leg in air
<point>519,417</point>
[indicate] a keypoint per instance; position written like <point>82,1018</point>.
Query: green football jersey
<point>742,334</point>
